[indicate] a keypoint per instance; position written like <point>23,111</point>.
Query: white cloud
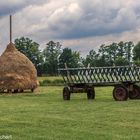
<point>76,23</point>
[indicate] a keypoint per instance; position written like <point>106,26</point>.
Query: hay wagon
<point>125,80</point>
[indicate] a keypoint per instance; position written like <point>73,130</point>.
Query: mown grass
<point>43,115</point>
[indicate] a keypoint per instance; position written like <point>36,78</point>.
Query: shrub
<point>55,82</point>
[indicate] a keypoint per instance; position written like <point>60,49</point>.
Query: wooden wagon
<point>125,80</point>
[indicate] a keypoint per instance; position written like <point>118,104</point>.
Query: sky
<point>82,25</point>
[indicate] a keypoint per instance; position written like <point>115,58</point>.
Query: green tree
<point>136,54</point>
<point>113,51</point>
<point>31,50</point>
<point>125,51</point>
<point>109,55</point>
<point>120,61</point>
<point>103,56</point>
<point>129,46</point>
<point>91,58</point>
<point>51,54</point>
<point>71,58</point>
<point>121,49</point>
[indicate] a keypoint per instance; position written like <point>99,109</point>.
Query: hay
<point>17,73</point>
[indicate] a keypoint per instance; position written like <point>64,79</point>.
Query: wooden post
<point>66,67</point>
<point>88,65</point>
<point>10,28</point>
<point>68,74</point>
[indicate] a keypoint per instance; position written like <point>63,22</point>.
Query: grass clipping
<point>17,72</point>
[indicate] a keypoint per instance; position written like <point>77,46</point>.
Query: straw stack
<point>17,73</point>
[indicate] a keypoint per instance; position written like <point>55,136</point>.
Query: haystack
<point>17,73</point>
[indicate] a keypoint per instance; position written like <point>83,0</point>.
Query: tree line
<point>54,56</point>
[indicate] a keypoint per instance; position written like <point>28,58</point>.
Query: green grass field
<point>43,115</point>
<point>51,78</point>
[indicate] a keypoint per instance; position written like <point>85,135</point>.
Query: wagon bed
<point>123,78</point>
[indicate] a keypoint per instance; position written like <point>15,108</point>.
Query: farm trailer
<point>125,80</point>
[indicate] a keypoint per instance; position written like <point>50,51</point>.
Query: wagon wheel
<point>120,93</point>
<point>90,93</point>
<point>135,94</point>
<point>66,93</point>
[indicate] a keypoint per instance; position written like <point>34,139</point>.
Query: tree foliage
<point>53,56</point>
<point>71,58</point>
<point>136,54</point>
<point>109,55</point>
<point>31,50</point>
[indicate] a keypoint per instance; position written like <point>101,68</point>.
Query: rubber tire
<point>135,94</point>
<point>90,94</point>
<point>122,95</point>
<point>66,93</point>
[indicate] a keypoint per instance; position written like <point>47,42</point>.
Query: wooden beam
<point>10,28</point>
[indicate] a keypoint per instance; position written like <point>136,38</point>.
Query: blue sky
<point>79,24</point>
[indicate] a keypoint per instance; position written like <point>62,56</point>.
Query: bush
<point>55,82</point>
